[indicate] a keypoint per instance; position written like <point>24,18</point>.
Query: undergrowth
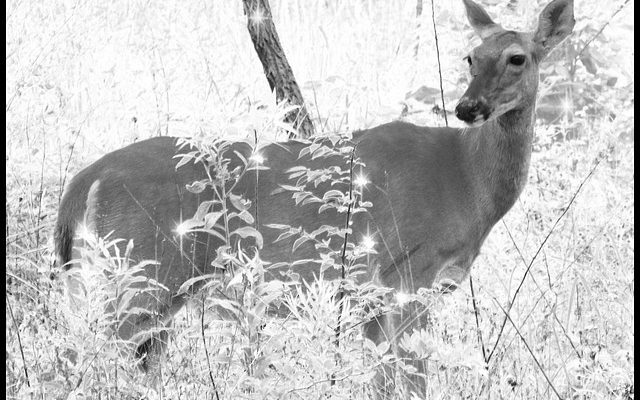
<point>74,93</point>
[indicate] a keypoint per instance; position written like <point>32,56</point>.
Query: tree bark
<point>416,48</point>
<point>276,67</point>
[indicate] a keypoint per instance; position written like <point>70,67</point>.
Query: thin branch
<point>435,34</point>
<point>601,29</point>
<point>206,351</point>
<point>475,311</point>
<point>255,146</point>
<point>343,256</point>
<point>506,313</point>
<point>557,279</point>
<point>564,331</point>
<point>515,295</point>
<point>95,356</point>
<point>315,383</point>
<point>15,324</point>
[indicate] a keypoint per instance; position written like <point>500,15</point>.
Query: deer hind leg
<point>145,325</point>
<point>151,351</point>
<point>391,381</point>
<point>380,330</point>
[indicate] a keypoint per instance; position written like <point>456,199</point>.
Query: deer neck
<point>499,152</point>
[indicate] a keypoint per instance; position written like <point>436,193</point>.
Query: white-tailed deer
<point>436,192</point>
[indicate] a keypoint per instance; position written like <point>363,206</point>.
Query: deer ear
<point>480,21</point>
<point>555,23</point>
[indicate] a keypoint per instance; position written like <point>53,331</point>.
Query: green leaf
<point>300,241</point>
<point>211,219</point>
<point>239,202</point>
<point>203,209</point>
<point>248,231</point>
<point>196,187</point>
<point>190,282</point>
<point>277,226</point>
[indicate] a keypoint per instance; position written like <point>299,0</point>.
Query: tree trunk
<point>416,48</point>
<point>276,67</point>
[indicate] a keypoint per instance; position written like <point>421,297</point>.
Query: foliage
<point>84,78</point>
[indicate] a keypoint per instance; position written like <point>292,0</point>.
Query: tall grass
<point>87,77</point>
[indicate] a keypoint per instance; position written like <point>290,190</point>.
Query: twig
<point>15,324</point>
<point>95,356</point>
<point>601,29</point>
<point>526,272</point>
<point>39,214</point>
<point>315,383</point>
<point>506,313</point>
<point>346,224</point>
<point>343,272</point>
<point>68,163</point>
<point>557,279</point>
<point>564,331</point>
<point>475,311</point>
<point>206,352</point>
<point>10,239</point>
<point>435,34</point>
<point>255,146</point>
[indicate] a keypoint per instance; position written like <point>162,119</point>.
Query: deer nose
<point>468,109</point>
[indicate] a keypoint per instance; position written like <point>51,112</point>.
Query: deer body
<point>435,200</point>
<point>436,192</point>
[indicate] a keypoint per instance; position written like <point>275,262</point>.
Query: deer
<point>436,192</point>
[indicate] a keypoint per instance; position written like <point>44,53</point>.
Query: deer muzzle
<point>473,111</point>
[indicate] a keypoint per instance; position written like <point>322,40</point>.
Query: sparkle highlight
<point>182,229</point>
<point>257,158</point>
<point>361,180</point>
<point>368,243</point>
<point>402,298</point>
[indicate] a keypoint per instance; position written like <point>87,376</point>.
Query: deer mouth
<point>478,121</point>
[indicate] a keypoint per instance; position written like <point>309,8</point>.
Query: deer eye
<point>517,59</point>
<point>468,60</point>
